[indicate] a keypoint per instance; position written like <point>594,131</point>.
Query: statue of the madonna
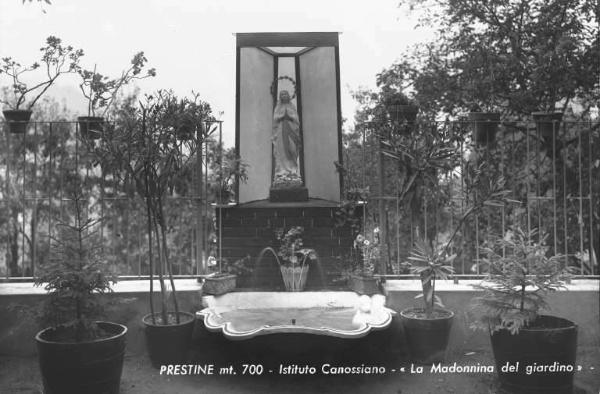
<point>286,141</point>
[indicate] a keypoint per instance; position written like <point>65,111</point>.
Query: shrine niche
<point>288,117</point>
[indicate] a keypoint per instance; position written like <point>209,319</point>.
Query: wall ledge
<point>467,285</point>
<point>123,287</point>
<point>191,285</point>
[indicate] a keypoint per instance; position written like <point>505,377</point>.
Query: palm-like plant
<point>433,260</point>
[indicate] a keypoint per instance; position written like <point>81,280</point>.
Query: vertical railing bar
<point>34,237</point>
<point>220,196</point>
<point>564,182</point>
<point>554,191</point>
<point>462,191</point>
<point>591,194</point>
<point>580,178</point>
<point>503,174</point>
<point>23,204</point>
<point>527,191</point>
<point>140,241</point>
<point>5,156</point>
<point>538,196</point>
<point>205,240</point>
<point>51,154</point>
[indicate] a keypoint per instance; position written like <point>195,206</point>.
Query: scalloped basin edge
<point>244,315</point>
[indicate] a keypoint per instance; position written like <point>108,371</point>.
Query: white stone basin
<point>244,315</point>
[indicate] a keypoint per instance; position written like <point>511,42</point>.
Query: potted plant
<point>78,354</point>
<point>361,278</point>
<point>230,170</point>
<point>484,126</point>
<point>221,282</point>
<point>427,328</point>
<point>520,276</point>
<point>55,61</point>
<point>547,124</point>
<point>398,106</point>
<point>291,257</point>
<point>143,146</point>
<point>101,92</point>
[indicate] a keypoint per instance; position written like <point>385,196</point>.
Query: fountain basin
<point>245,315</point>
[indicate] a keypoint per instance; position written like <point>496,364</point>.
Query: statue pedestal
<point>288,194</point>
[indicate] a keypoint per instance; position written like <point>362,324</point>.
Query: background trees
<point>509,56</point>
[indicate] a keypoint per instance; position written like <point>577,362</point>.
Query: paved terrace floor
<point>21,375</point>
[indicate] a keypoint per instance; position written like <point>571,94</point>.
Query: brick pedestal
<point>247,229</point>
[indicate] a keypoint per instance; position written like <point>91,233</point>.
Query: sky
<point>191,43</point>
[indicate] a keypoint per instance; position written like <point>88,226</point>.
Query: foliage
<point>520,275</point>
<point>56,60</point>
<point>75,274</point>
<point>291,251</point>
<point>368,246</point>
<point>144,147</point>
<point>231,169</point>
<point>432,260</point>
<point>515,56</point>
<point>101,91</point>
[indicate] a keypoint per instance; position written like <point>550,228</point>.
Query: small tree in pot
<point>77,353</point>
<point>520,276</point>
<point>144,147</point>
<point>55,61</point>
<point>101,93</point>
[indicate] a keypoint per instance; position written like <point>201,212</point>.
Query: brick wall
<point>246,231</point>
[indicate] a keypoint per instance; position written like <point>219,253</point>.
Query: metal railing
<point>556,177</point>
<point>552,169</point>
<point>37,171</point>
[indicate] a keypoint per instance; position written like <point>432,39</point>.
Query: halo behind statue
<point>284,77</point>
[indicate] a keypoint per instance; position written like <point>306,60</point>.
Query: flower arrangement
<point>368,246</point>
<point>287,180</point>
<point>291,251</point>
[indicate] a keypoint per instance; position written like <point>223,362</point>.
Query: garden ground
<point>21,375</point>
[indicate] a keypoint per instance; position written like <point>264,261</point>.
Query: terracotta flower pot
<point>17,120</point>
<point>485,126</point>
<point>91,127</point>
<point>403,112</point>
<point>219,284</point>
<point>363,284</point>
<point>547,123</point>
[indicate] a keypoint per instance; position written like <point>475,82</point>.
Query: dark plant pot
<point>360,284</point>
<point>539,346</point>
<point>218,285</point>
<point>168,344</point>
<point>17,120</point>
<point>185,131</point>
<point>91,127</point>
<point>547,123</point>
<point>400,112</point>
<point>427,339</point>
<point>485,126</point>
<point>92,367</point>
